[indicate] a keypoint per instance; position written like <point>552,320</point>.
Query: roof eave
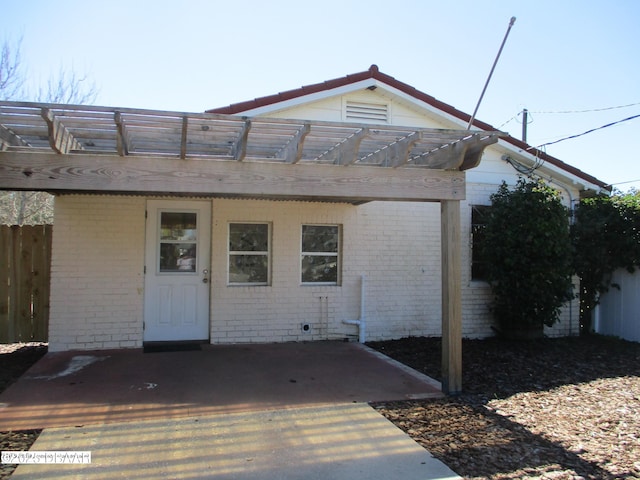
<point>373,76</point>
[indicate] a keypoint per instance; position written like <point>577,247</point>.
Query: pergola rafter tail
<point>63,129</point>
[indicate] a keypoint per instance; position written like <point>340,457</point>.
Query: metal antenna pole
<point>473,117</point>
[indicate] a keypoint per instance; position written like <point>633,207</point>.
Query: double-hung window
<point>320,260</point>
<point>249,253</point>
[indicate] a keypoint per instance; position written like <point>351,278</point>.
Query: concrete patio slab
<point>342,441</point>
<point>85,388</point>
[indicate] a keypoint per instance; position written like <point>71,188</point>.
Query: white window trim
<point>337,254</point>
<point>266,253</point>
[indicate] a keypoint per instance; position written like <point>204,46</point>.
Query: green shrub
<point>606,237</point>
<point>528,253</point>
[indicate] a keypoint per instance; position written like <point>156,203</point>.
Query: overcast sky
<point>561,56</point>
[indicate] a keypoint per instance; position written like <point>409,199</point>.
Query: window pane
<point>248,268</point>
<point>320,238</point>
<point>178,226</point>
<point>316,269</point>
<point>248,237</point>
<point>479,214</point>
<point>177,257</point>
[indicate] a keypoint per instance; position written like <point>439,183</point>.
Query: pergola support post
<point>451,297</point>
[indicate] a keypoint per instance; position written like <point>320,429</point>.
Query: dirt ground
<point>550,409</point>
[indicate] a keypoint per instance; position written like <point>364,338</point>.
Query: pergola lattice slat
<point>122,131</point>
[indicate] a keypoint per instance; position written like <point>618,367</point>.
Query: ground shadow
<point>495,368</point>
<point>485,444</point>
<point>477,441</point>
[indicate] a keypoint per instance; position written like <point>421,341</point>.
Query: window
<point>249,259</point>
<point>178,242</point>
<point>320,254</point>
<point>479,215</point>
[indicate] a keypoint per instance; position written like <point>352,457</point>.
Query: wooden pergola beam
<point>292,151</point>
<point>395,154</point>
<point>122,145</point>
<point>60,138</point>
<point>346,152</point>
<point>137,174</point>
<point>183,137</point>
<point>10,139</point>
<point>240,147</point>
<point>461,154</point>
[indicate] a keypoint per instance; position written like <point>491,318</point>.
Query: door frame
<point>154,207</point>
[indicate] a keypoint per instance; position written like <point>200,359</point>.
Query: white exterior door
<point>177,265</point>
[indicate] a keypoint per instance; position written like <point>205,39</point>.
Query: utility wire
<point>585,133</point>
<point>588,111</point>
<point>568,111</point>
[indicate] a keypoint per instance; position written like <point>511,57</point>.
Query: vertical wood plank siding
<point>25,264</point>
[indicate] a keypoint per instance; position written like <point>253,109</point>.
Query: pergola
<point>69,148</point>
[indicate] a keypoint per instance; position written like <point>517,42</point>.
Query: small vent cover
<point>367,112</point>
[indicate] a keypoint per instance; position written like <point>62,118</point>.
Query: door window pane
<point>178,242</point>
<point>178,226</point>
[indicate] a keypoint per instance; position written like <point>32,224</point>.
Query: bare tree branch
<point>20,208</point>
<point>11,70</point>
<point>68,87</point>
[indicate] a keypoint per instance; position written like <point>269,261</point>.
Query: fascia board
<point>455,121</point>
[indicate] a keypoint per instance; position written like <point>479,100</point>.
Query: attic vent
<point>367,112</point>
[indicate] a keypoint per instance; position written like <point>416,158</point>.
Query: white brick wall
<point>395,245</point>
<point>96,273</point>
<point>98,257</point>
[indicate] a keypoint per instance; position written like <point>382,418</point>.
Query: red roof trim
<point>374,73</point>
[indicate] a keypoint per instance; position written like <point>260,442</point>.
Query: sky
<point>576,56</point>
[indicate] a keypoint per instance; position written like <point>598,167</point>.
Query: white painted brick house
<point>259,266</point>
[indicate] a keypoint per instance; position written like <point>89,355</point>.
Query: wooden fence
<point>25,265</point>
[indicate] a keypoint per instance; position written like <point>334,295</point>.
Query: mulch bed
<point>565,408</point>
<point>15,359</point>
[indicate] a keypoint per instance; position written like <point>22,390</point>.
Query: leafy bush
<point>606,237</point>
<point>528,252</point>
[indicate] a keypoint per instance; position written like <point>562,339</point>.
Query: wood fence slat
<point>41,243</point>
<point>6,249</point>
<point>23,294</point>
<point>25,257</point>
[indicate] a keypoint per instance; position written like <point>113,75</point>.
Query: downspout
<point>361,323</point>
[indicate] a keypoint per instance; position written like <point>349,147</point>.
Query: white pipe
<point>361,323</point>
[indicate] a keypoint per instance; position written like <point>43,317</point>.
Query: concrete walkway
<point>287,411</point>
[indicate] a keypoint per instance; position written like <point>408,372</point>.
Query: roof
<point>374,73</point>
